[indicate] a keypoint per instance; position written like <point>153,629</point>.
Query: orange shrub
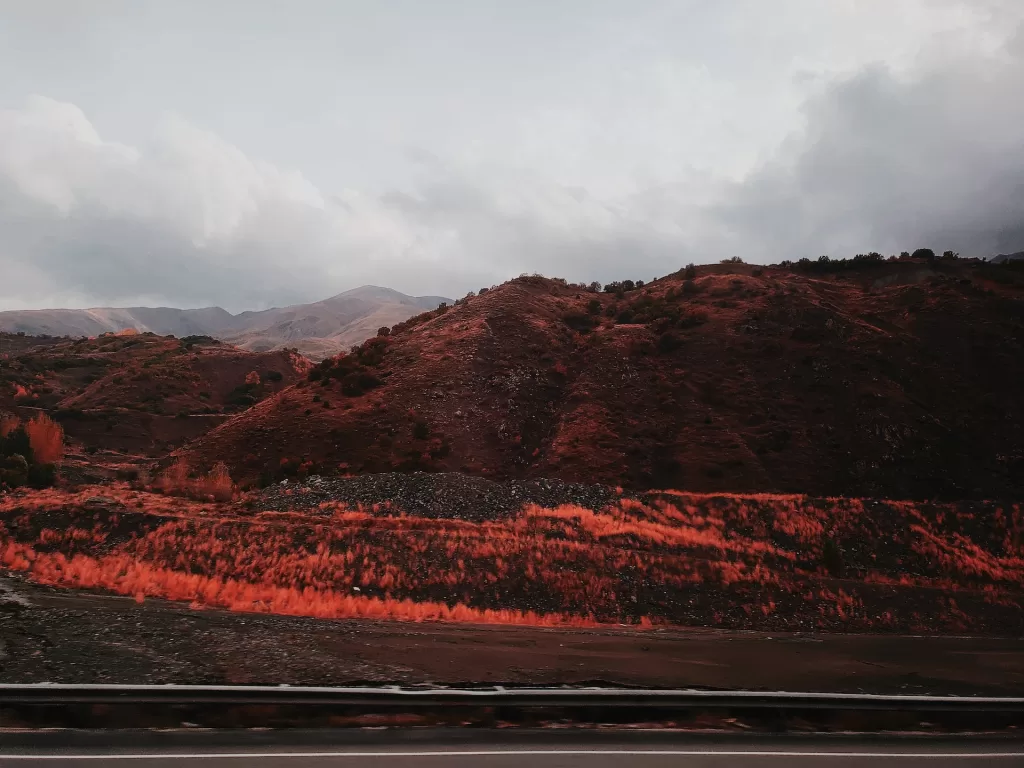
<point>175,479</point>
<point>217,483</point>
<point>46,438</point>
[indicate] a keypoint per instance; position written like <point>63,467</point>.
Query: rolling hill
<point>138,392</point>
<point>891,380</point>
<point>326,327</point>
<point>317,330</point>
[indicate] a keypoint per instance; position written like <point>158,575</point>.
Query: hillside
<point>898,381</point>
<point>319,330</point>
<point>133,391</point>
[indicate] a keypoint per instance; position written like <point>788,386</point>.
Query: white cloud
<point>651,140</point>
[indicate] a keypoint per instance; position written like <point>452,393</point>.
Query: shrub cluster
<point>353,369</point>
<point>30,451</point>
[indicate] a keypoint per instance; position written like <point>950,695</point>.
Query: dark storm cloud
<point>888,163</point>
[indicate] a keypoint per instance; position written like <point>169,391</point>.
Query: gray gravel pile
<point>426,494</point>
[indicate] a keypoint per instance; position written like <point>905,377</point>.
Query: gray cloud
<point>619,169</point>
<point>889,163</point>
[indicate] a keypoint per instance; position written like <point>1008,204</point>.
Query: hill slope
<point>899,382</point>
<point>135,391</point>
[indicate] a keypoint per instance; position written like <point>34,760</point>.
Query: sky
<point>250,154</point>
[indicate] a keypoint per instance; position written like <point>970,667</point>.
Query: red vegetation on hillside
<point>751,561</point>
<point>46,437</point>
<point>897,382</point>
<point>137,391</point>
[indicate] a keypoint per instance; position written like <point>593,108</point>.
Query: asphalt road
<point>491,752</point>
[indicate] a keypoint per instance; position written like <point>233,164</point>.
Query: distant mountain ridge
<point>318,330</point>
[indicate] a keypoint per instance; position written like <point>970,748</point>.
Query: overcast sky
<point>250,154</point>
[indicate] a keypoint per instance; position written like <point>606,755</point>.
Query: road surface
<point>494,751</point>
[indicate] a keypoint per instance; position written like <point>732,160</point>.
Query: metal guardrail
<point>427,698</point>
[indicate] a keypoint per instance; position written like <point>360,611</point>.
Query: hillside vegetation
<point>882,379</point>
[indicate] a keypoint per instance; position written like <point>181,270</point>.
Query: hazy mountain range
<point>317,330</point>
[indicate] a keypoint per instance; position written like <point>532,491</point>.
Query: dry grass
<point>735,561</point>
<point>216,485</point>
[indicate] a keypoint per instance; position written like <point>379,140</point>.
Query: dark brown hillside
<point>898,381</point>
<point>138,391</point>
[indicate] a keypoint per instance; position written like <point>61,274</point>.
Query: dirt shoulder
<point>58,636</point>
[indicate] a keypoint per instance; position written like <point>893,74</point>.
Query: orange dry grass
<point>125,576</point>
<point>46,438</point>
<point>732,560</point>
<point>215,485</point>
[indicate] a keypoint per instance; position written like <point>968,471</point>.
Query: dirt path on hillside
<point>72,637</point>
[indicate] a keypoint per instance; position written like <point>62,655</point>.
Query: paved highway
<point>581,752</point>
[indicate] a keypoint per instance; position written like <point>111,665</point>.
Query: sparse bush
<point>421,430</point>
<point>578,321</point>
<point>690,271</point>
<point>273,376</point>
<point>692,318</point>
<point>593,307</point>
<point>351,369</point>
<point>13,471</point>
<point>668,342</point>
<point>619,287</point>
<point>30,452</point>
<point>827,264</point>
<point>242,396</point>
<point>359,383</point>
